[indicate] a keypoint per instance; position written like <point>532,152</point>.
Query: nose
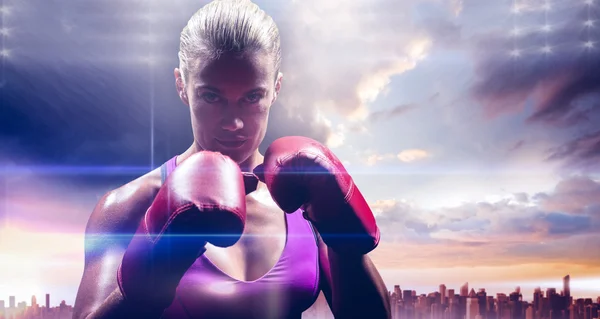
<point>232,123</point>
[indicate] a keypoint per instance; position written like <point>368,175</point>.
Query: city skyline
<point>443,298</point>
<point>48,300</point>
<point>471,304</point>
<point>22,310</point>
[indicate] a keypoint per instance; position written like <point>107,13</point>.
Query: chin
<point>237,156</point>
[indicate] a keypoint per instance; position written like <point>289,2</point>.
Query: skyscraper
<point>398,291</point>
<point>443,293</point>
<point>464,290</point>
<point>47,301</point>
<point>482,301</point>
<point>407,297</point>
<point>550,292</point>
<point>529,313</point>
<point>567,293</point>
<point>472,308</point>
<point>436,311</point>
<point>11,301</point>
<point>502,303</point>
<point>515,302</point>
<point>450,294</point>
<point>538,297</point>
<point>489,308</point>
<point>567,286</point>
<point>573,314</point>
<point>587,312</point>
<point>472,293</point>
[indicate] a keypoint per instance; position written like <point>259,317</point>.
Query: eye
<point>210,97</point>
<point>254,97</point>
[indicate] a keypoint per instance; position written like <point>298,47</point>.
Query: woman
<point>212,241</point>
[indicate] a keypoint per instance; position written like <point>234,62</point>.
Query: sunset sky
<point>472,128</point>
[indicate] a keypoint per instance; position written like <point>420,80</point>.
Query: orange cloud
<point>412,155</point>
<point>506,232</point>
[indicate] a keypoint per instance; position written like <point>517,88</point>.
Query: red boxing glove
<point>202,201</point>
<point>300,172</point>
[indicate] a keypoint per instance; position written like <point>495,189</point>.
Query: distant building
<point>567,286</point>
<point>529,313</point>
<point>443,294</point>
<point>397,291</point>
<point>450,294</point>
<point>464,290</point>
<point>472,308</point>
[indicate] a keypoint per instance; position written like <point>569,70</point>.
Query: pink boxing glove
<point>202,201</point>
<point>301,173</point>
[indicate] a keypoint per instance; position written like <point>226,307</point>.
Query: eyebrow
<point>214,89</point>
<point>208,87</point>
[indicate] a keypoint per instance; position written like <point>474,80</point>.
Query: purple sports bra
<point>287,290</point>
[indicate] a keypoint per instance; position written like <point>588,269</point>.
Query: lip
<point>231,144</point>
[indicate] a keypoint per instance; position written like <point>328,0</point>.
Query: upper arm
<point>108,233</point>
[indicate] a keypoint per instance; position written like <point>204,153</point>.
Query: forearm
<point>357,288</point>
<point>115,306</point>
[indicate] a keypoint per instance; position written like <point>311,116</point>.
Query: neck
<point>251,162</point>
<point>246,166</point>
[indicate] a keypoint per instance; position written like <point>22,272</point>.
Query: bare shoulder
<point>109,230</point>
<point>119,211</point>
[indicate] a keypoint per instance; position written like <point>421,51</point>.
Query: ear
<point>180,86</point>
<point>277,86</point>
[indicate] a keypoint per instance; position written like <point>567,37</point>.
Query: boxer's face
<point>229,100</point>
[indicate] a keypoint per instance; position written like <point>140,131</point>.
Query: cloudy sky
<point>472,127</point>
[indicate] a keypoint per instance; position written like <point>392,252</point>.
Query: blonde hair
<point>223,26</point>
